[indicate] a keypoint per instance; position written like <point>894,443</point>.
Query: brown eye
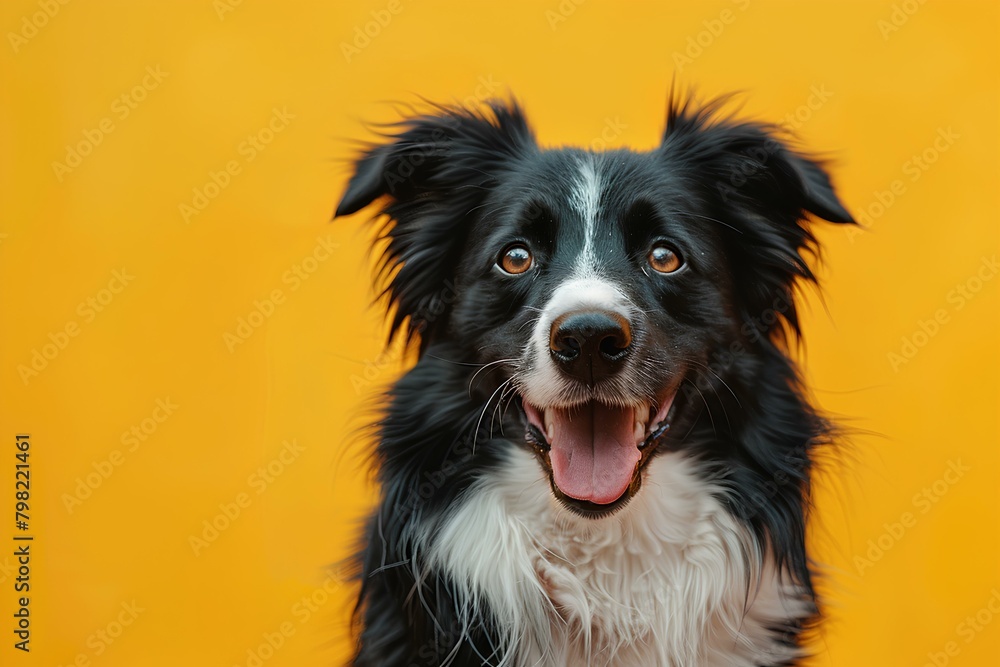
<point>664,259</point>
<point>515,259</point>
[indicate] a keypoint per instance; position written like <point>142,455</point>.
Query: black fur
<point>458,186</point>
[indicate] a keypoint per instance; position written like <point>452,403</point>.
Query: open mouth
<point>594,452</point>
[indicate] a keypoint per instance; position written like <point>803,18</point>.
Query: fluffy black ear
<point>432,174</point>
<point>367,184</point>
<point>752,181</point>
<point>818,195</point>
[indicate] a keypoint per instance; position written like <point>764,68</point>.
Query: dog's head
<point>594,284</point>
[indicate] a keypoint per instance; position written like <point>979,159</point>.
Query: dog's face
<point>599,278</point>
<point>590,287</point>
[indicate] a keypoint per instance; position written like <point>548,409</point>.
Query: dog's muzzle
<point>594,447</point>
<point>590,345</point>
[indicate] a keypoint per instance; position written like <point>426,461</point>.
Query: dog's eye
<point>664,259</point>
<point>515,259</point>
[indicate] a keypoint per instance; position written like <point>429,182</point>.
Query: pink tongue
<point>593,451</point>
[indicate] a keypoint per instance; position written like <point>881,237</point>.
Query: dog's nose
<point>590,345</point>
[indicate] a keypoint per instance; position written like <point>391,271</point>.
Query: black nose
<point>590,345</point>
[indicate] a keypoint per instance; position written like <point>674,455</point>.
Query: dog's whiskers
<point>501,408</point>
<point>708,409</point>
<point>697,365</point>
<point>531,321</point>
<point>718,377</point>
<point>705,217</point>
<point>475,436</point>
<point>485,366</point>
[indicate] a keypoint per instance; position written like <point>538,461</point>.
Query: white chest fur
<point>672,580</point>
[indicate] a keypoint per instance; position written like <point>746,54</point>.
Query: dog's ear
<point>818,195</point>
<point>751,180</point>
<point>367,184</point>
<point>433,174</point>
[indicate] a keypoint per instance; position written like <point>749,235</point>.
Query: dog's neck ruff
<point>672,580</point>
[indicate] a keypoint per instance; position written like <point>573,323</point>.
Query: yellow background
<point>309,373</point>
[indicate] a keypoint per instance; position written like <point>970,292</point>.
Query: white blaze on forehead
<point>586,294</point>
<point>586,199</point>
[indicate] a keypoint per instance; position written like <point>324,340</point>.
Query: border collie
<point>602,453</point>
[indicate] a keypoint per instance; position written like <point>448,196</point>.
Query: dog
<point>602,454</point>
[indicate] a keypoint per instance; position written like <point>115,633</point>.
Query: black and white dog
<point>602,454</point>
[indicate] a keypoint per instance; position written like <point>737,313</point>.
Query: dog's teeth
<point>550,427</point>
